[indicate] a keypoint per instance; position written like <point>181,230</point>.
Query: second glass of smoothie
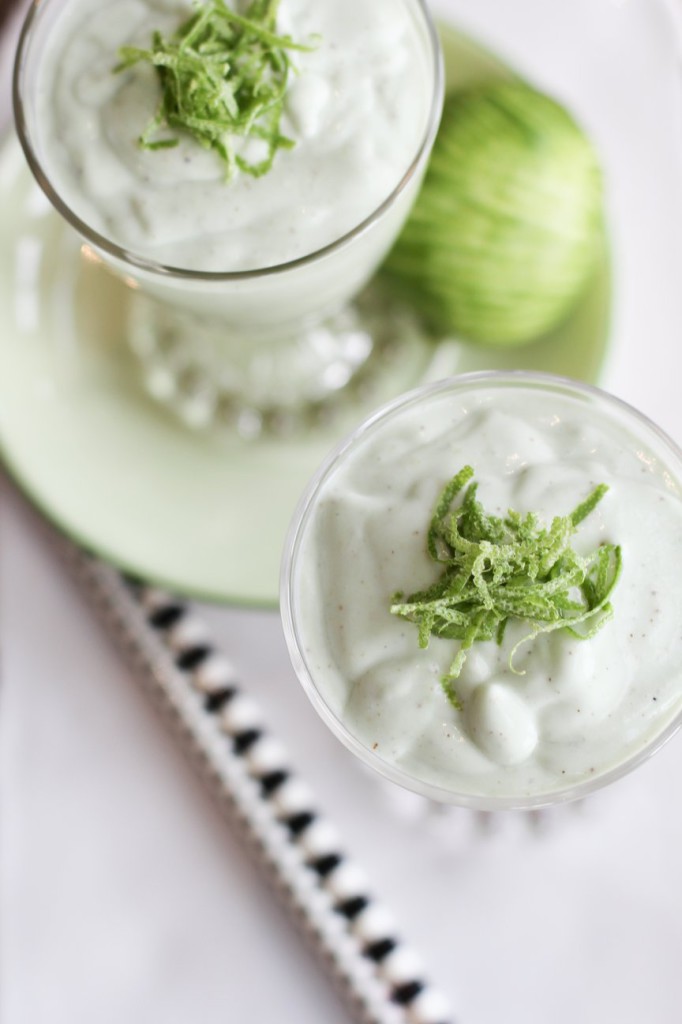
<point>238,290</point>
<point>535,715</point>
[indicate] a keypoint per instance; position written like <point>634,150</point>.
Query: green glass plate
<point>202,515</point>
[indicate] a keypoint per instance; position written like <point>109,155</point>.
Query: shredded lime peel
<point>223,76</point>
<point>496,569</point>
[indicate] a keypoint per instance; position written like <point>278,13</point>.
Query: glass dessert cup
<point>251,347</point>
<point>318,644</point>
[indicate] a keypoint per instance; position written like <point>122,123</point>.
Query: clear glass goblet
<point>256,347</point>
<point>360,528</point>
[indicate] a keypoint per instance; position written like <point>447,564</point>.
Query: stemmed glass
<point>312,627</point>
<point>258,347</point>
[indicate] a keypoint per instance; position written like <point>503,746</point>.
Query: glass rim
<point>290,624</point>
<point>118,252</point>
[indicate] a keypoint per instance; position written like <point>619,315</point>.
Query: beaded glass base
<point>215,380</point>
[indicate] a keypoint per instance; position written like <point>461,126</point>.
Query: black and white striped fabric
<point>170,649</point>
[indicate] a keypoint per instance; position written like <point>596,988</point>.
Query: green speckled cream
<point>356,108</point>
<point>582,712</point>
<point>235,279</point>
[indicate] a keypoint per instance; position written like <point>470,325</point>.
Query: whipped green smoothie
<point>538,713</point>
<point>357,102</point>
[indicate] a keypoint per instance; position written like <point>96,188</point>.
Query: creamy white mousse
<point>357,109</point>
<point>581,708</point>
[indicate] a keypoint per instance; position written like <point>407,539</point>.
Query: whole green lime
<point>507,229</point>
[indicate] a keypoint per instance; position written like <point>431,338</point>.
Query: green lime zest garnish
<point>223,75</point>
<point>496,569</point>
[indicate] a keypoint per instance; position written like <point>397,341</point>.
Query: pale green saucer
<point>203,516</point>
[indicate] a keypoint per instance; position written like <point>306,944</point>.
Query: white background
<point>124,896</point>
